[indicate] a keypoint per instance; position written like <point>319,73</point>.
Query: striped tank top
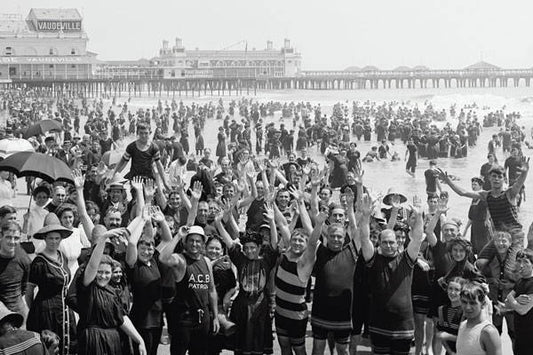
<point>290,291</point>
<point>503,213</point>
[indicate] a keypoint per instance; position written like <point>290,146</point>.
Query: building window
<point>73,66</point>
<point>73,51</point>
<point>8,51</point>
<point>52,51</point>
<point>51,66</point>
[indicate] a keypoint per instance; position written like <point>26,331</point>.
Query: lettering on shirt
<point>199,281</point>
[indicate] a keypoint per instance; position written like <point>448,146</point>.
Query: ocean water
<point>382,175</point>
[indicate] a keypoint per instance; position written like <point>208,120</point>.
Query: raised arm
<point>417,230</point>
<point>315,183</point>
<point>196,194</point>
<point>352,222</point>
<point>302,208</point>
<point>307,262</point>
<point>517,186</point>
<point>137,184</point>
<point>269,215</point>
<point>442,208</point>
<point>224,235</point>
<point>158,217</point>
<point>96,256</point>
<point>135,229</point>
<point>457,189</point>
<point>365,209</point>
<point>87,223</point>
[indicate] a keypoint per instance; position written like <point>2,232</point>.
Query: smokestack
<point>165,44</point>
<point>179,42</point>
<point>287,43</point>
<point>269,45</point>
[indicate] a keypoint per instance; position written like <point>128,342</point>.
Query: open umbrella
<point>42,127</point>
<point>38,165</point>
<point>10,146</point>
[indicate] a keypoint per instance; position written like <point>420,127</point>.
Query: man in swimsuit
<point>501,202</point>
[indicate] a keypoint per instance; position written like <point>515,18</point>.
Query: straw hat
<point>52,224</point>
<point>185,231</point>
<point>116,184</point>
<point>16,319</point>
<point>392,191</point>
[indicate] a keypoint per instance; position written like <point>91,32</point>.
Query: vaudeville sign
<point>55,26</point>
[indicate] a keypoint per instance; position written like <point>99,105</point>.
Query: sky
<point>329,34</point>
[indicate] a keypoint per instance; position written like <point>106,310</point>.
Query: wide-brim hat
<point>16,319</point>
<point>393,192</point>
<point>52,224</point>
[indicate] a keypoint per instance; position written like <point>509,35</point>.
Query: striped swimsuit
<point>291,309</point>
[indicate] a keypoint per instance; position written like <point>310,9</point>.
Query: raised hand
<point>358,175</point>
<point>297,194</point>
<point>269,211</point>
<point>197,189</point>
<point>79,179</point>
<point>137,183</point>
<point>149,189</point>
<point>156,214</point>
<point>366,205</point>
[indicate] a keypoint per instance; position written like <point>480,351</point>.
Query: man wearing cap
<point>197,299</point>
<point>14,341</point>
<point>432,181</point>
<point>115,192</point>
<point>501,202</point>
<point>14,268</point>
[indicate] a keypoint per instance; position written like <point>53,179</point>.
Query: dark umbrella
<point>42,127</point>
<point>38,165</point>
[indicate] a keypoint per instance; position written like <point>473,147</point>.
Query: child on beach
<point>450,316</point>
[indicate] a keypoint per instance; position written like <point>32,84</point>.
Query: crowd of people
<point>221,250</point>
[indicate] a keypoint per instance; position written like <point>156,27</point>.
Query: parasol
<point>42,127</point>
<point>38,165</point>
<point>10,146</point>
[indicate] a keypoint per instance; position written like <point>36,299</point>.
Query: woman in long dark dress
<point>250,310</point>
<point>50,272</point>
<point>221,146</point>
<point>100,308</point>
